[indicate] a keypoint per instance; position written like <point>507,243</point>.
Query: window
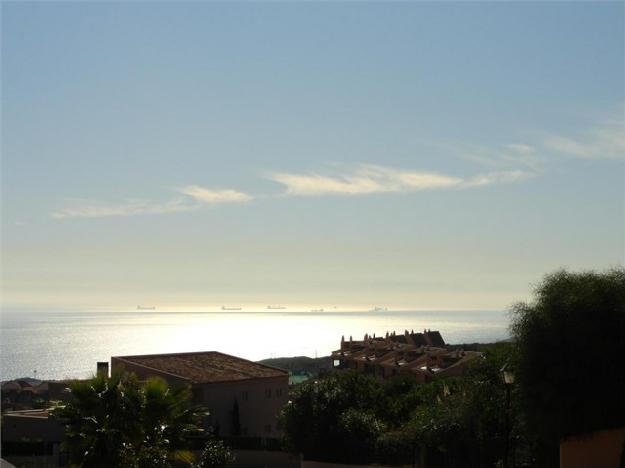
<point>244,395</point>
<point>279,392</point>
<point>267,427</point>
<point>268,393</point>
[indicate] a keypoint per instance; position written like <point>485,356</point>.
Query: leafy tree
<point>402,394</point>
<point>334,419</point>
<point>458,422</point>
<point>571,343</point>
<point>215,455</point>
<point>451,422</point>
<point>118,421</point>
<point>358,431</point>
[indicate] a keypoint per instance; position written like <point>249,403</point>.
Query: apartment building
<point>242,396</point>
<point>422,354</point>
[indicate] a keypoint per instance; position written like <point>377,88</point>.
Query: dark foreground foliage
<point>122,422</point>
<point>567,356</point>
<point>571,348</point>
<point>353,418</point>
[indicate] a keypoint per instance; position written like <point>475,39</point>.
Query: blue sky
<point>410,155</point>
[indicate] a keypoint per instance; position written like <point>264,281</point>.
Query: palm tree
<point>121,422</point>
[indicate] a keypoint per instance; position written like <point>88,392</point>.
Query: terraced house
<point>422,354</point>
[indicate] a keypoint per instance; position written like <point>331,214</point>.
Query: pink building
<point>422,354</point>
<point>225,384</point>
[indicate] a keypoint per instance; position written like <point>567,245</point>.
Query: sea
<point>67,344</point>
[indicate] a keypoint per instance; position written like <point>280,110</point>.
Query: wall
<point>260,401</point>
<point>263,459</point>
<point>18,426</point>
<point>602,449</point>
<point>314,464</point>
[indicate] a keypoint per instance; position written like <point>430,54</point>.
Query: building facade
<point>243,397</point>
<point>422,354</point>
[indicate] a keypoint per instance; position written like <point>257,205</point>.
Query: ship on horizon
<point>378,309</point>
<point>270,307</point>
<point>230,308</point>
<point>140,307</point>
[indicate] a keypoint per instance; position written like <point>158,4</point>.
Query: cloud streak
<point>212,197</point>
<point>603,142</point>
<point>372,179</point>
<point>194,197</point>
<point>365,179</point>
<point>84,208</point>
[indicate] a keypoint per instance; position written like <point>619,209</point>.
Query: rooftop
<point>205,366</point>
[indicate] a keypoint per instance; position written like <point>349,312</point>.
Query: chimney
<point>409,339</point>
<point>102,368</point>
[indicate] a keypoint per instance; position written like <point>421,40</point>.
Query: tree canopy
<point>333,419</point>
<point>568,357</point>
<point>349,417</point>
<point>571,350</point>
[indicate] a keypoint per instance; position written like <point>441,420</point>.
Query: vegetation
<point>353,418</point>
<point>215,455</point>
<point>571,344</point>
<point>119,421</point>
<point>328,418</point>
<point>567,354</point>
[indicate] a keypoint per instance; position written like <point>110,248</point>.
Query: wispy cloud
<point>506,158</point>
<point>194,198</point>
<point>370,179</point>
<point>212,197</point>
<point>499,177</point>
<point>606,141</point>
<point>521,148</point>
<point>84,208</point>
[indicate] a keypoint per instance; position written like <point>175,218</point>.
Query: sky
<point>406,155</point>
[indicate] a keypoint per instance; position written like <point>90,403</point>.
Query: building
<point>422,354</point>
<point>243,397</point>
<point>31,436</point>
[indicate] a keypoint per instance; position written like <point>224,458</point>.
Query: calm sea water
<point>55,345</point>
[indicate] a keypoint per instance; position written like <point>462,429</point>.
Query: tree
<point>215,455</point>
<point>119,421</point>
<point>459,422</point>
<point>334,419</point>
<point>571,343</point>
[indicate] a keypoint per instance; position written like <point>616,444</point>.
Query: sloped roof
<point>437,339</point>
<point>204,366</point>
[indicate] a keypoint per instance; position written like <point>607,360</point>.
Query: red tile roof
<point>205,366</point>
